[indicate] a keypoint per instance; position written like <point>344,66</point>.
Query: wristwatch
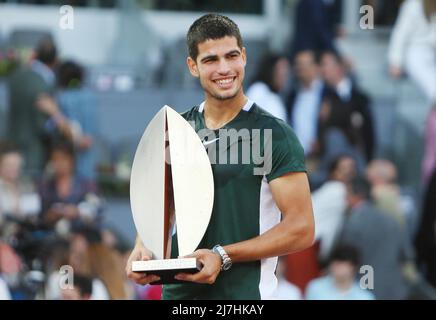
<point>226,262</point>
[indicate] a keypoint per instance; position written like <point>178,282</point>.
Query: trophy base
<point>166,269</point>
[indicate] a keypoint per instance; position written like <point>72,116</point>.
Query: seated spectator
<point>75,254</point>
<point>329,215</point>
<point>425,241</point>
<point>340,283</point>
<point>429,159</point>
<point>82,289</point>
<point>285,289</point>
<point>304,101</point>
<point>18,196</point>
<point>4,290</point>
<point>67,200</point>
<point>268,83</point>
<point>79,106</point>
<point>382,243</point>
<point>389,197</point>
<point>347,109</point>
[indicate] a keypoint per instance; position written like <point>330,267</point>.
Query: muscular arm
<point>296,230</point>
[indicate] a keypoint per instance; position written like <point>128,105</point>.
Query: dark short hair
<point>211,27</point>
<point>7,147</point>
<point>83,284</point>
<point>345,252</point>
<point>334,162</point>
<point>336,56</point>
<point>63,146</point>
<point>265,71</point>
<point>69,75</point>
<point>46,51</point>
<point>360,186</point>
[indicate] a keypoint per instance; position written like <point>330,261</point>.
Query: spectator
<point>381,175</point>
<point>31,105</point>
<point>304,101</point>
<point>285,289</point>
<point>329,215</point>
<point>340,283</point>
<point>382,244</point>
<point>18,197</point>
<point>75,254</point>
<point>429,160</point>
<point>80,108</point>
<point>66,198</point>
<point>412,46</point>
<point>268,83</point>
<point>346,108</point>
<point>316,24</point>
<point>425,241</point>
<point>4,290</point>
<point>82,289</point>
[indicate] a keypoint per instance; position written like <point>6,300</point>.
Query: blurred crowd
<point>52,213</point>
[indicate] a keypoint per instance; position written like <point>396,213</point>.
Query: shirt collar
<point>247,107</point>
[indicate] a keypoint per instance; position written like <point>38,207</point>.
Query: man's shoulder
<point>190,113</point>
<point>265,120</point>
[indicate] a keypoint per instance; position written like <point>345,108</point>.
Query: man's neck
<point>343,285</point>
<point>219,112</point>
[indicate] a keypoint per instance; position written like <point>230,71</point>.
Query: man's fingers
<point>143,278</point>
<point>192,255</point>
<point>201,277</point>
<point>148,279</point>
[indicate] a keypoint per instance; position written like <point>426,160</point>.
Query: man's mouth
<point>225,83</point>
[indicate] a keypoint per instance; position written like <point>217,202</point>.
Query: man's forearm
<point>284,238</point>
<point>138,241</point>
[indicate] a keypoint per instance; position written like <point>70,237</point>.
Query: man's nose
<point>223,67</point>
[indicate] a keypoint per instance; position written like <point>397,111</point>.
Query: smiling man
<point>257,215</point>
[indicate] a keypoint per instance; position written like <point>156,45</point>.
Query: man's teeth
<point>225,81</point>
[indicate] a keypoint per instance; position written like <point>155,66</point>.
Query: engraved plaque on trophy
<point>171,188</point>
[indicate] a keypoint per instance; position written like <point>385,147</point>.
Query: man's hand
<point>211,262</point>
<point>140,253</point>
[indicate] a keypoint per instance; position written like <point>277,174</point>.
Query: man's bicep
<point>291,193</point>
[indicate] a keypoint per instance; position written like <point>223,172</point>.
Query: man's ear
<point>244,55</point>
<point>192,65</point>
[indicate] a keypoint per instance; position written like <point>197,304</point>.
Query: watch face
<point>227,265</point>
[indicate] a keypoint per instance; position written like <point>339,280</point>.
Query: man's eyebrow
<point>209,57</point>
<point>214,56</point>
<point>233,52</point>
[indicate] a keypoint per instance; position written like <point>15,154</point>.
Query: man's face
<point>10,166</point>
<point>342,271</point>
<point>346,170</point>
<point>305,67</point>
<point>220,66</point>
<point>332,70</point>
<point>62,163</point>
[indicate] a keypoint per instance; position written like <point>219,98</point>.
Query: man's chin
<point>225,96</point>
